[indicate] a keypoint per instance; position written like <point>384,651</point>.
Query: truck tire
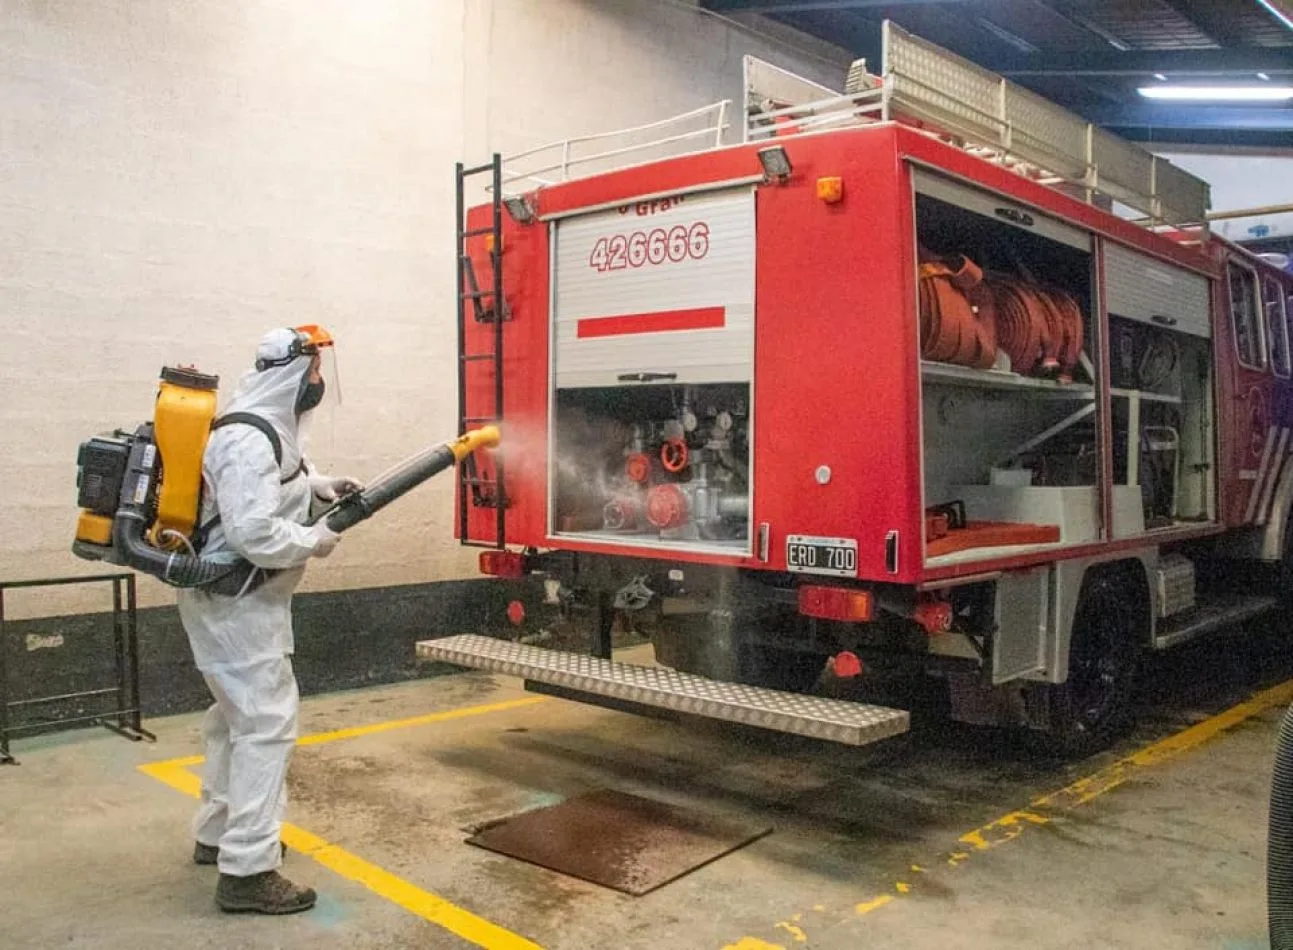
<point>1284,571</point>
<point>1093,707</point>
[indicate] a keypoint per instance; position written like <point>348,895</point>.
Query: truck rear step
<point>829,719</point>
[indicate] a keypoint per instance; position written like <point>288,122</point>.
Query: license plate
<point>834,557</point>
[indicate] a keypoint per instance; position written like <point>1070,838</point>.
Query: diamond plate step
<point>830,719</point>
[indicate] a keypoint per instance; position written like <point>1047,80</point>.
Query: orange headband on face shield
<point>315,337</point>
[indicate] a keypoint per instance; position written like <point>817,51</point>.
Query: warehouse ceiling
<point>1093,55</point>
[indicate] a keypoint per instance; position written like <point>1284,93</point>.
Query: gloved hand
<point>325,540</point>
<point>332,487</point>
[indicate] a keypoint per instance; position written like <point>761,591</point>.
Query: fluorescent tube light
<point>1276,11</point>
<point>1261,93</point>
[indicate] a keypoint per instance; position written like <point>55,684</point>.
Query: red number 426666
<point>651,247</point>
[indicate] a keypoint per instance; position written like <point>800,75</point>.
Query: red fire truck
<point>928,378</point>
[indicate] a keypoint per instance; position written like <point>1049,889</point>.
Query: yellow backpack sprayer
<point>140,492</point>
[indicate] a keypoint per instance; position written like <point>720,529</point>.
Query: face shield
<point>320,389</point>
<point>295,376</point>
<point>323,368</point>
<point>320,379</point>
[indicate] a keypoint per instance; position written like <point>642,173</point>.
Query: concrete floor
<point>94,853</point>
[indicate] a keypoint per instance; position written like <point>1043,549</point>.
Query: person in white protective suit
<point>255,503</point>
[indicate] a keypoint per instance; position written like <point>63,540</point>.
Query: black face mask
<point>311,395</point>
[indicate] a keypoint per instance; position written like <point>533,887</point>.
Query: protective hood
<point>271,393</point>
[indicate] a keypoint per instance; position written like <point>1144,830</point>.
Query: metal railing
<point>863,108</point>
<point>922,84</point>
<point>125,715</point>
<point>558,161</point>
<point>989,116</point>
<point>925,82</point>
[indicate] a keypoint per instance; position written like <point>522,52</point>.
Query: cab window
<point>1247,316</point>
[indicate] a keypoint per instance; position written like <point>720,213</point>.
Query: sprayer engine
<point>149,478</point>
<point>112,470</point>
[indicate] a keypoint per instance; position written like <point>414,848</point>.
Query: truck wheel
<point>1094,706</point>
<point>1284,573</point>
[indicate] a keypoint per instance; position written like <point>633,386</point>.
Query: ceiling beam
<point>801,6</point>
<point>1198,62</point>
<point>859,36</point>
<point>1076,16</point>
<point>1227,138</point>
<point>1221,118</point>
<point>862,38</point>
<point>1216,27</point>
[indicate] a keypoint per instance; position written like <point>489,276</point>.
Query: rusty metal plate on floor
<point>617,840</point>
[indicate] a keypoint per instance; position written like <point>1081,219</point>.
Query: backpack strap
<point>256,422</point>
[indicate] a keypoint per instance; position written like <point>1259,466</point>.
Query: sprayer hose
<point>177,569</point>
<point>1279,842</point>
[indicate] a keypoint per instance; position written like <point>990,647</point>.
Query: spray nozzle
<point>486,437</point>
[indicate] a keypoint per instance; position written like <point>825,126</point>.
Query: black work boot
<point>265,893</point>
<point>208,854</point>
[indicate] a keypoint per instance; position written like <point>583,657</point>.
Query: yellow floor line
<point>356,731</point>
<point>387,725</point>
<point>1016,823</point>
<point>430,907</point>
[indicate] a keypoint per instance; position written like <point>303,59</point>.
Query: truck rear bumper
<point>832,720</point>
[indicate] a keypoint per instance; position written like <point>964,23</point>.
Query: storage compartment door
<point>657,291</point>
<point>1144,289</point>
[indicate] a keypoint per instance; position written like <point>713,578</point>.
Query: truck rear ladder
<point>476,489</point>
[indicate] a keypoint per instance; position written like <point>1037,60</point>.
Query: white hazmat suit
<point>243,645</point>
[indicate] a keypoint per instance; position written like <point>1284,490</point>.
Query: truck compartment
<point>654,465</point>
<point>1011,418</point>
<point>1162,421</point>
<point>1009,408</point>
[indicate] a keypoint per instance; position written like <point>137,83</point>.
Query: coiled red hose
<point>956,314</point>
<point>965,318</point>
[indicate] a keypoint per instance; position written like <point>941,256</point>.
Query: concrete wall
<point>177,178</point>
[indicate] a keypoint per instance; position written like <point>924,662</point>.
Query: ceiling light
<point>1160,77</point>
<point>1276,12</point>
<point>1218,93</point>
<point>1263,77</point>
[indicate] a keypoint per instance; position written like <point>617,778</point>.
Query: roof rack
<point>922,85</point>
<point>952,98</point>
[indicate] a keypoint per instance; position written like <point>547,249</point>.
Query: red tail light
<point>503,563</point>
<point>934,615</point>
<point>835,603</point>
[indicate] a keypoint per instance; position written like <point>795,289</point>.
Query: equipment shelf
<point>998,379</point>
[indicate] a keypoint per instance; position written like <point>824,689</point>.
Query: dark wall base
<point>344,639</point>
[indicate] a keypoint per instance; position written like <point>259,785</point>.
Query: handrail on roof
<point>925,86</point>
<point>711,134</point>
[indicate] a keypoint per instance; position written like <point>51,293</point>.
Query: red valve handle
<point>674,455</point>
